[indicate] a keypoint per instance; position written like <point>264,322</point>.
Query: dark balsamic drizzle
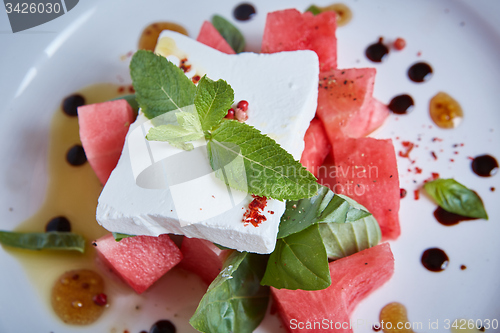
<point>59,223</point>
<point>244,12</point>
<point>163,326</point>
<point>448,219</point>
<point>420,72</point>
<point>71,103</point>
<point>377,52</point>
<point>76,156</point>
<point>484,165</point>
<point>401,104</point>
<point>435,260</point>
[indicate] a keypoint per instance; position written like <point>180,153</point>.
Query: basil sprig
<point>43,240</point>
<point>456,198</point>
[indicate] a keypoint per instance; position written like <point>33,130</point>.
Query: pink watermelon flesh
<point>344,96</point>
<point>365,169</point>
<point>291,30</point>
<point>379,114</point>
<point>203,258</point>
<point>353,278</point>
<point>103,127</point>
<point>141,260</point>
<point>316,148</point>
<point>209,36</point>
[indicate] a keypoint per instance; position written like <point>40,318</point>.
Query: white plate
<point>461,40</point>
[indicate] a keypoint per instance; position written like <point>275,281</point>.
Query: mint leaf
<point>235,301</point>
<point>119,236</point>
<point>230,33</point>
<point>43,240</point>
<point>160,85</point>
<point>189,129</point>
<point>315,10</point>
<point>212,100</point>
<point>266,169</point>
<point>456,198</point>
<point>299,261</point>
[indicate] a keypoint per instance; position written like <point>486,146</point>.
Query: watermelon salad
<point>335,140</point>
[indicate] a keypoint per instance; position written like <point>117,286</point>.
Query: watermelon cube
<point>379,113</point>
<point>345,101</point>
<point>328,310</point>
<point>210,36</point>
<point>291,30</point>
<point>316,148</point>
<point>203,258</point>
<point>140,260</point>
<point>366,120</point>
<point>365,169</point>
<point>103,127</point>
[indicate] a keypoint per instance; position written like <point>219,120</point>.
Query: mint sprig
<point>159,85</point>
<point>188,129</point>
<point>212,100</point>
<point>240,155</point>
<point>269,170</point>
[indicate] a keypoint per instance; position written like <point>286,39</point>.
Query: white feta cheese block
<point>157,188</point>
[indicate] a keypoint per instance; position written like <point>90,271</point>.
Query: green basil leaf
<point>343,239</point>
<point>43,240</point>
<point>315,10</point>
<point>230,33</point>
<point>235,301</point>
<point>299,261</point>
<point>456,198</point>
<point>324,207</point>
<point>119,236</point>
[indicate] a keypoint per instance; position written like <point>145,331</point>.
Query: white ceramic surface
<point>460,39</point>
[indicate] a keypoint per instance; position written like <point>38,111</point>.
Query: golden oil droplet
<point>395,319</point>
<point>445,111</point>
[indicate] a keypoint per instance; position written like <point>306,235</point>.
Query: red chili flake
<point>434,155</point>
<point>121,89</point>
<point>402,193</point>
<point>271,212</point>
<point>185,68</point>
<point>254,214</point>
<point>416,194</point>
<point>436,139</point>
<point>399,44</point>
<point>470,158</point>
<point>452,160</point>
<point>408,146</point>
<point>418,170</point>
<point>419,54</point>
<point>455,152</point>
<point>196,79</point>
<point>131,89</point>
<point>462,144</point>
<point>492,189</point>
<point>100,299</point>
<point>433,176</point>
